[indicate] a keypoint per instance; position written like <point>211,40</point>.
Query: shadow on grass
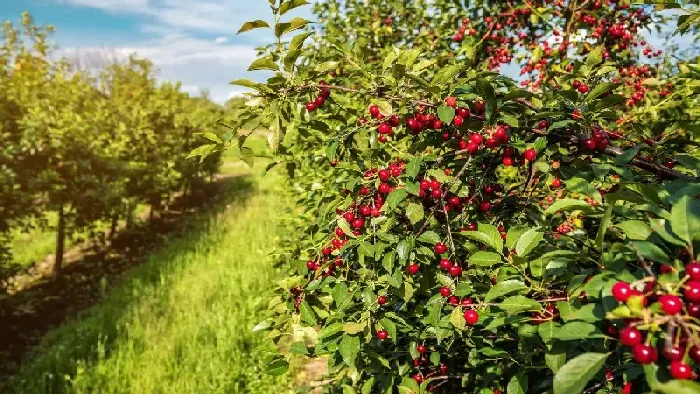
<point>26,317</point>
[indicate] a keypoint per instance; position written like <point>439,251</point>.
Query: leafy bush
<point>467,233</point>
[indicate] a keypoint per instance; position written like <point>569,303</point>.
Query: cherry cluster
<point>318,101</point>
<point>675,306</point>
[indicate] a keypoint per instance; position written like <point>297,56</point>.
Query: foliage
<point>90,147</point>
<point>464,232</point>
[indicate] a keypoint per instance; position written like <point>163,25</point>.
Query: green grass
<point>180,323</point>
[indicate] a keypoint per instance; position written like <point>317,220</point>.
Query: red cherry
<point>458,120</point>
<point>680,370</point>
<point>384,188</point>
<point>320,100</point>
<point>692,291</point>
<point>349,216</point>
<point>530,154</point>
<point>693,270</point>
<point>621,291</point>
<point>445,291</point>
<point>471,317</point>
<point>507,161</point>
<point>384,128</point>
<point>694,353</point>
<point>670,304</point>
<point>676,353</point>
<point>453,300</point>
<point>373,110</point>
<point>311,265</point>
<point>440,248</point>
<point>476,138</point>
<point>451,101</point>
<point>358,223</point>
<point>445,264</point>
<point>443,369</point>
<point>311,107</point>
<point>630,336</point>
<point>693,309</point>
<point>583,88</point>
<point>466,301</point>
<point>421,349</point>
<point>609,376</point>
<point>556,183</point>
<point>485,206</point>
<point>589,144</point>
<point>418,378</point>
<point>384,175</point>
<point>413,268</point>
<point>644,354</point>
<point>382,335</point>
<point>381,300</point>
<point>456,270</point>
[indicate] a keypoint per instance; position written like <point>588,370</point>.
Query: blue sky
<point>193,41</point>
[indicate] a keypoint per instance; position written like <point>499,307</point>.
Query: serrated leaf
<point>578,330</point>
<point>248,156</point>
<point>298,348</point>
<point>635,229</point>
<point>385,107</point>
<point>567,204</point>
<point>486,91</point>
<point>685,219</point>
<point>457,318</point>
<point>395,198</point>
<point>429,237</point>
<point>354,328</point>
<point>484,259</point>
<point>413,166</point>
<point>628,155</point>
<point>651,251</point>
<point>264,63</point>
<point>517,304</point>
<point>518,384</point>
<point>415,212</point>
<point>505,287</point>
<point>595,57</point>
<point>332,149</point>
<point>252,25</point>
<point>290,5</point>
<point>349,349</point>
<point>278,366</point>
<point>202,150</point>
<point>446,113</point>
<point>514,234</point>
<point>247,83</point>
<point>487,234</point>
<point>528,241</point>
<point>601,88</point>
<point>575,374</point>
<point>282,28</point>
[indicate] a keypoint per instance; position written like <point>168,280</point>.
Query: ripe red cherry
<point>418,378</point>
<point>373,110</point>
<point>583,88</point>
<point>694,353</point>
<point>589,144</point>
<point>440,248</point>
<point>445,264</point>
<point>358,223</point>
<point>693,309</point>
<point>692,291</point>
<point>466,301</point>
<point>384,128</point>
<point>556,183</point>
<point>381,300</point>
<point>485,206</point>
<point>311,265</point>
<point>630,336</point>
<point>680,370</point>
<point>320,100</point>
<point>451,101</point>
<point>609,376</point>
<point>456,270</point>
<point>693,270</point>
<point>382,335</point>
<point>621,291</point>
<point>445,291</point>
<point>384,175</point>
<point>453,300</point>
<point>436,193</point>
<point>384,188</point>
<point>471,317</point>
<point>458,120</point>
<point>507,161</point>
<point>676,353</point>
<point>413,268</point>
<point>670,304</point>
<point>476,138</point>
<point>576,84</point>
<point>349,216</point>
<point>365,210</point>
<point>644,354</point>
<point>421,349</point>
<point>311,107</point>
<point>530,154</point>
<point>454,201</point>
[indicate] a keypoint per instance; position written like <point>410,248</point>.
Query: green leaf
<point>325,66</point>
<point>573,377</point>
<point>286,27</point>
<point>385,107</point>
<point>299,348</point>
<point>603,228</point>
<point>601,88</point>
<point>503,288</point>
<point>354,328</point>
<point>252,25</point>
<point>457,318</point>
<point>264,63</point>
<point>415,212</point>
<point>578,330</point>
<point>247,83</point>
<point>294,50</point>
<point>517,304</point>
<point>202,150</point>
<point>290,5</point>
<point>487,234</point>
<point>277,366</point>
<point>248,156</point>
<point>685,219</point>
<point>678,387</point>
<point>567,204</point>
<point>389,326</point>
<point>651,251</point>
<point>413,166</point>
<point>349,349</point>
<point>484,259</point>
<point>628,155</point>
<point>429,237</point>
<point>263,325</point>
<point>307,314</point>
<point>635,229</point>
<point>486,91</point>
<point>518,384</point>
<point>395,198</point>
<point>345,226</point>
<point>446,113</point>
<point>332,149</point>
<point>528,241</point>
<point>595,57</point>
<point>555,358</point>
<point>514,234</point>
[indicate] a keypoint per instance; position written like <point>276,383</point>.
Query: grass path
<point>181,323</point>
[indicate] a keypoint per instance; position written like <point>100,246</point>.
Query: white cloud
<point>221,40</point>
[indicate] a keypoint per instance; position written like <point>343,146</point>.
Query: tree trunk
<point>113,226</point>
<point>60,241</point>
